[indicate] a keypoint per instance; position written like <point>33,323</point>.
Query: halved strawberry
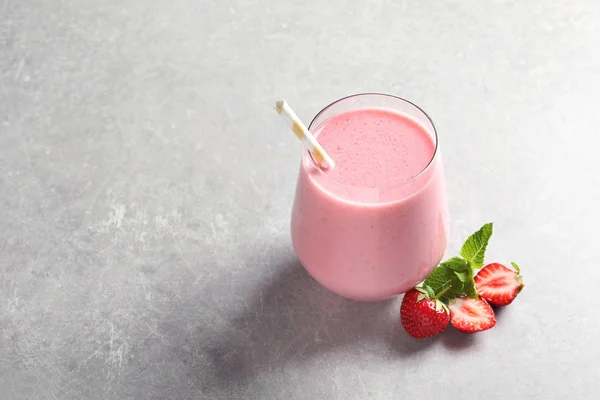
<point>498,284</point>
<point>471,315</point>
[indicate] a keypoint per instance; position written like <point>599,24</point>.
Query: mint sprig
<point>459,273</point>
<point>454,278</point>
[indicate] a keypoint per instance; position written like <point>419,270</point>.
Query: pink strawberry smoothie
<point>376,224</point>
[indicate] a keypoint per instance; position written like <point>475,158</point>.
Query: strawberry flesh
<point>422,318</point>
<point>498,284</point>
<point>471,315</point>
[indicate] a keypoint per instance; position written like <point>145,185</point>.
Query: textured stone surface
<point>146,186</point>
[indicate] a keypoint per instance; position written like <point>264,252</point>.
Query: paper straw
<point>309,141</point>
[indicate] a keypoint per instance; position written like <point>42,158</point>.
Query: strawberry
<point>471,315</point>
<point>499,285</point>
<point>422,314</point>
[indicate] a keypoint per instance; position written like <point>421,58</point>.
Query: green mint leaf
<point>456,273</point>
<point>442,277</point>
<point>461,269</point>
<point>458,287</point>
<point>462,276</point>
<point>438,279</point>
<point>469,286</point>
<point>464,272</point>
<point>456,264</point>
<point>474,248</point>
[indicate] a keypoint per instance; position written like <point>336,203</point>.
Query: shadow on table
<point>291,319</point>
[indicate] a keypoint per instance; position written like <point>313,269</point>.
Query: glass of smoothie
<point>376,224</point>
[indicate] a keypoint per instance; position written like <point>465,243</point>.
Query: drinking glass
<point>370,244</point>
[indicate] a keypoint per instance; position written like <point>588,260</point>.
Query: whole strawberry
<point>498,284</point>
<point>422,314</point>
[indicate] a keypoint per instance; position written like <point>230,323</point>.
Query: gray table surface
<point>146,187</point>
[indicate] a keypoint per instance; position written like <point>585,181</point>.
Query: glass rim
<point>402,183</point>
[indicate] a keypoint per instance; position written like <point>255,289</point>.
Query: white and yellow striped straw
<point>309,141</point>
